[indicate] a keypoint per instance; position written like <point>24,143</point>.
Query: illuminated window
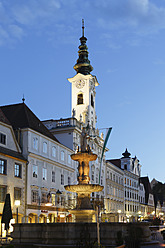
<point>44,197</point>
<point>53,199</point>
<point>3,166</point>
<point>18,170</point>
<point>80,99</point>
<point>130,183</point>
<point>34,196</point>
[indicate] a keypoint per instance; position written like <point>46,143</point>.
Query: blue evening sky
<point>39,41</point>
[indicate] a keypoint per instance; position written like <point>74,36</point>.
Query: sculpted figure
<point>83,140</point>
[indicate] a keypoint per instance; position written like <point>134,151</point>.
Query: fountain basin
<point>84,188</point>
<point>84,156</point>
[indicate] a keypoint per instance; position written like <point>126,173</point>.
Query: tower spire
<point>83,65</point>
<point>82,27</point>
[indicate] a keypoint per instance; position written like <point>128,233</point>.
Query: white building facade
<point>12,171</point>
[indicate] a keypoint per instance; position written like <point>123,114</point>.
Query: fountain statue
<point>84,211</point>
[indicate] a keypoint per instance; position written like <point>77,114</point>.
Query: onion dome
<point>83,65</point>
<point>126,154</point>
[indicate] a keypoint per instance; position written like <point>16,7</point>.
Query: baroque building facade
<point>13,167</point>
<point>49,167</point>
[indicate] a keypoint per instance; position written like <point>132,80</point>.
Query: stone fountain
<point>84,211</point>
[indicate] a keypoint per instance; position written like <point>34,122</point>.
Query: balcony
<point>62,123</point>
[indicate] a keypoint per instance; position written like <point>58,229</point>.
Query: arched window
<point>54,151</point>
<point>62,155</point>
<point>44,147</point>
<point>92,101</point>
<point>80,99</point>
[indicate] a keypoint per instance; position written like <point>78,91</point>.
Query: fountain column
<point>84,211</point>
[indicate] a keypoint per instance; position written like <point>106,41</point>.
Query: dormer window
<point>80,99</point>
<point>2,138</point>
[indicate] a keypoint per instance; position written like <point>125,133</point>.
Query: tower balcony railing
<point>68,122</point>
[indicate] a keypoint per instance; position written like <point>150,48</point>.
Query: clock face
<point>80,84</point>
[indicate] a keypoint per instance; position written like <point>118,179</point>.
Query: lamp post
<point>17,204</point>
<point>58,193</point>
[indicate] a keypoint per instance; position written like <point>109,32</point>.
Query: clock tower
<point>83,87</point>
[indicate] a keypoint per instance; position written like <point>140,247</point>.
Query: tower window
<point>92,101</point>
<point>80,99</point>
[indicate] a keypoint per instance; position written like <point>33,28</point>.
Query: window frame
<point>3,167</point>
<point>17,193</point>
<point>18,170</point>
<point>35,170</point>
<point>54,151</point>
<point>53,176</point>
<point>62,179</point>
<point>44,174</point>
<point>35,143</point>
<point>80,99</point>
<point>3,192</point>
<point>2,138</point>
<point>45,147</point>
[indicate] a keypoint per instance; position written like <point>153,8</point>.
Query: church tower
<point>83,87</point>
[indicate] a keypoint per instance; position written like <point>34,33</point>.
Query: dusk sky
<point>39,42</point>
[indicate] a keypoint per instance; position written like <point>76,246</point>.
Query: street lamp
<point>17,204</point>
